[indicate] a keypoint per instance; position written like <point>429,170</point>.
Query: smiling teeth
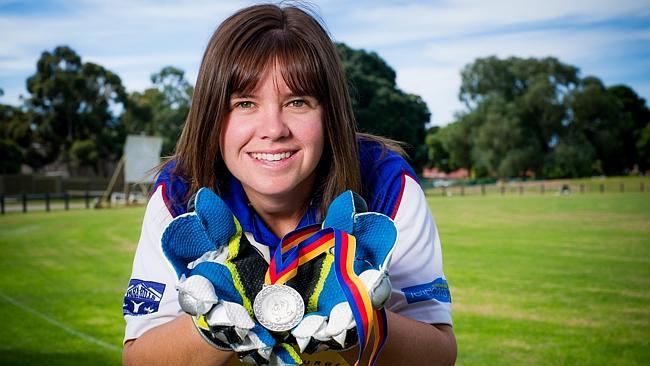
<point>271,157</point>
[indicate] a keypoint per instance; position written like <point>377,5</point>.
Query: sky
<point>427,43</point>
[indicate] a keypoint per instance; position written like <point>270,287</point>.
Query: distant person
<point>271,131</point>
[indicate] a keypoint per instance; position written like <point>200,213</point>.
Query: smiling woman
<point>271,131</point>
<point>272,143</point>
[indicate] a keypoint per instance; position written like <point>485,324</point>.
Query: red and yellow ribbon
<point>306,244</point>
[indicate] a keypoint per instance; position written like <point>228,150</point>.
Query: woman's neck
<point>281,213</point>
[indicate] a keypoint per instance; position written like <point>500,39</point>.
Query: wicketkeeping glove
<point>206,247</point>
<point>331,325</point>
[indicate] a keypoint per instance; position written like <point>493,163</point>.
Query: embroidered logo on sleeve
<point>142,297</point>
<point>438,290</point>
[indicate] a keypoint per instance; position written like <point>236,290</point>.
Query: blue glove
<point>331,324</point>
<point>206,247</point>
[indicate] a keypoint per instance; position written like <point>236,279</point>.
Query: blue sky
<point>426,42</point>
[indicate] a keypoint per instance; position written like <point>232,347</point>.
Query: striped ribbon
<point>297,248</point>
<point>357,295</point>
<point>306,244</point>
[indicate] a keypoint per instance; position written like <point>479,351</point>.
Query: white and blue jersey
<point>390,187</point>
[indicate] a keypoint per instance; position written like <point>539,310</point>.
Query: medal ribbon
<point>357,295</point>
<point>303,245</point>
<point>297,248</point>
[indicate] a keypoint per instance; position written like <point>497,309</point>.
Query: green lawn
<point>548,280</point>
<point>71,267</point>
<point>535,279</point>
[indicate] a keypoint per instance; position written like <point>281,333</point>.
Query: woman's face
<point>273,139</point>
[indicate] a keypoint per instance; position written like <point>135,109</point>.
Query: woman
<point>271,130</point>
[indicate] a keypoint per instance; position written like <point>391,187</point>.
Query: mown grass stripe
<point>60,325</point>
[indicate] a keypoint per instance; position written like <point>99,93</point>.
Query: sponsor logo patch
<point>438,290</point>
<point>142,297</point>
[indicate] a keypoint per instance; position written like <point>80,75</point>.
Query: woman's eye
<point>298,103</point>
<point>244,105</point>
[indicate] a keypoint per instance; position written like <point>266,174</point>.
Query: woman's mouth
<point>272,157</point>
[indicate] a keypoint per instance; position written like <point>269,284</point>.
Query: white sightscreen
<point>142,153</point>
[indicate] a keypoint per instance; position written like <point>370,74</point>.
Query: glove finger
<point>215,217</point>
<point>196,295</point>
<point>221,277</point>
<point>185,240</point>
<point>255,357</point>
<point>309,325</point>
<point>255,341</point>
<point>378,286</point>
<point>238,315</point>
<point>303,332</point>
<point>340,319</point>
<point>376,235</point>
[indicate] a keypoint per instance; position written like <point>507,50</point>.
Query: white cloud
<point>438,87</point>
<point>426,42</point>
<point>384,25</point>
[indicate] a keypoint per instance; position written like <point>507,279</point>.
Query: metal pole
<point>87,198</point>
<point>66,199</point>
<point>24,203</point>
<point>47,202</point>
<point>2,204</point>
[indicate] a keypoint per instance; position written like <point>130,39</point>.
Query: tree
<point>162,109</point>
<point>380,107</point>
<point>634,110</point>
<point>437,154</point>
<point>537,116</point>
<point>11,135</point>
<point>516,108</point>
<point>73,101</point>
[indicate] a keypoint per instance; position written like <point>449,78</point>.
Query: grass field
<point>535,279</point>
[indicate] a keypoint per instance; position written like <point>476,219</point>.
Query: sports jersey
<point>389,186</point>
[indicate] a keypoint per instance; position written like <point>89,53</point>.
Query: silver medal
<point>278,307</point>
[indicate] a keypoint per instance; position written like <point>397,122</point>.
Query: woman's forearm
<point>174,343</point>
<point>411,342</point>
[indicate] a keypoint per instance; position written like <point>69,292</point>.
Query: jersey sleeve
<point>419,287</point>
<point>151,298</point>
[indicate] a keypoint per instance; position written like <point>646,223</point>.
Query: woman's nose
<point>273,126</point>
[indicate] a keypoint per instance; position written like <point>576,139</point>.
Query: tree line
<point>530,117</point>
<point>524,117</point>
<point>77,113</point>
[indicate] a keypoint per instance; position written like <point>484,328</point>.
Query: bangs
<point>295,58</point>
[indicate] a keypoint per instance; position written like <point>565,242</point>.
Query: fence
<point>48,201</point>
<point>18,184</point>
<point>540,187</point>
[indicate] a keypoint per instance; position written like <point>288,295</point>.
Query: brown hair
<point>239,51</point>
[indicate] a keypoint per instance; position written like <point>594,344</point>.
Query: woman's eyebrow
<point>241,96</point>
